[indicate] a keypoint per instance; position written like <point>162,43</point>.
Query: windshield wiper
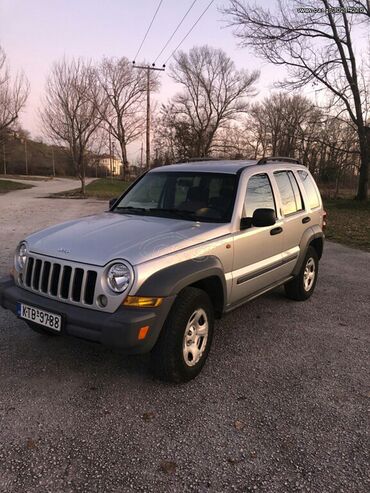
<point>155,210</point>
<point>130,209</point>
<point>175,212</point>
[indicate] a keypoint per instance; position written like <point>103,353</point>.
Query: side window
<point>289,192</point>
<point>309,186</point>
<point>259,195</point>
<point>297,193</point>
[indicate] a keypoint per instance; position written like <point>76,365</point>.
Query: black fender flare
<point>307,237</point>
<point>171,280</point>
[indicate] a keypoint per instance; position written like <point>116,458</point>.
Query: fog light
<point>102,301</point>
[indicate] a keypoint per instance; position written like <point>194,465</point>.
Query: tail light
<point>324,220</point>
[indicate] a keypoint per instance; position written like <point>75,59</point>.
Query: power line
<point>175,31</point>
<point>147,31</point>
<point>190,30</point>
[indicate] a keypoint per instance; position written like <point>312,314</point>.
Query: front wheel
<point>302,286</point>
<point>184,343</point>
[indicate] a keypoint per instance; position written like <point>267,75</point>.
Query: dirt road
<point>25,211</point>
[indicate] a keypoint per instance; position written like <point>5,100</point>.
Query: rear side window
<point>291,199</point>
<point>310,188</point>
<point>259,195</point>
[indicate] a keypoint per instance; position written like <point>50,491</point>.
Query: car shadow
<point>88,358</point>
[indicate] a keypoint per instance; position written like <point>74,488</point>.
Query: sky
<point>35,33</point>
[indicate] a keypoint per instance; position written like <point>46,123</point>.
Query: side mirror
<point>263,217</point>
<point>112,202</point>
<point>245,223</point>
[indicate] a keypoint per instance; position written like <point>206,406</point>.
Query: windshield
<point>198,196</point>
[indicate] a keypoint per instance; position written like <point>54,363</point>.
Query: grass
<point>9,186</point>
<point>349,222</point>
<point>103,188</point>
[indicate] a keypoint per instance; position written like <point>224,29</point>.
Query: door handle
<point>276,231</point>
<point>306,220</point>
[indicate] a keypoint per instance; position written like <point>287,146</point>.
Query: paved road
<point>25,211</point>
<point>280,406</point>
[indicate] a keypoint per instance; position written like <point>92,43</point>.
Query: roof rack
<point>265,160</point>
<point>198,159</point>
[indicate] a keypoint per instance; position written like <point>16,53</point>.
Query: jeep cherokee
<point>183,245</point>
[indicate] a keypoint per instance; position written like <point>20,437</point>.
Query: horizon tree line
<point>214,112</point>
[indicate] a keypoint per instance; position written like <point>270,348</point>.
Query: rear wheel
<point>184,343</point>
<point>303,285</point>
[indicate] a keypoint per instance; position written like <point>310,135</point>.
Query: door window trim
<point>277,185</point>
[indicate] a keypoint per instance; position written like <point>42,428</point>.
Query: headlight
<point>20,256</point>
<point>118,277</point>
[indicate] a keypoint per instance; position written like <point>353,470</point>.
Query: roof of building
<point>108,156</point>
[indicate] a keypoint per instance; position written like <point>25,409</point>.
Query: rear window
<point>310,188</point>
<point>291,199</point>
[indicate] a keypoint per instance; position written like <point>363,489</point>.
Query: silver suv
<point>183,245</point>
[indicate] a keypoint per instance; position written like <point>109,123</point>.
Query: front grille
<point>58,280</point>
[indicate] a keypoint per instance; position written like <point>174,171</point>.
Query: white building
<point>111,164</point>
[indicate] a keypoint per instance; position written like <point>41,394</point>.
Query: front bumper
<point>119,329</point>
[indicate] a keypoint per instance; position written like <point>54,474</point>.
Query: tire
<point>303,285</point>
<point>184,343</point>
<point>41,330</point>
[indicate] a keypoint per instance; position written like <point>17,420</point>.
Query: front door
<point>257,250</point>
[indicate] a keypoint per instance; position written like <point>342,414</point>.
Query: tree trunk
<point>363,182</point>
<point>337,184</point>
<point>82,178</point>
<point>124,160</point>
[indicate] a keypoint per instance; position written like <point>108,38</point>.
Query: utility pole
<point>110,155</point>
<point>25,154</point>
<point>53,160</point>
<point>141,156</point>
<point>148,68</point>
<point>4,158</point>
<point>113,158</point>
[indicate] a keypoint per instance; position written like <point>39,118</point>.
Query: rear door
<point>296,218</point>
<point>257,251</point>
<point>312,197</point>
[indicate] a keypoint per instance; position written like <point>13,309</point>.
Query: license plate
<point>52,321</point>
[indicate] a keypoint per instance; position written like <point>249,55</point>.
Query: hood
<point>96,240</point>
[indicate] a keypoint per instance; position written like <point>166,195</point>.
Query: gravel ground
<point>280,406</point>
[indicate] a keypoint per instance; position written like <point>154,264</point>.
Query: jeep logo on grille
<point>64,250</point>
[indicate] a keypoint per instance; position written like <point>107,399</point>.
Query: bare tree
<point>234,142</point>
<point>173,136</point>
<point>214,94</point>
<point>291,125</point>
<point>316,44</point>
<point>363,5</point>
<point>280,120</point>
<point>69,113</point>
<point>13,94</point>
<point>122,93</point>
